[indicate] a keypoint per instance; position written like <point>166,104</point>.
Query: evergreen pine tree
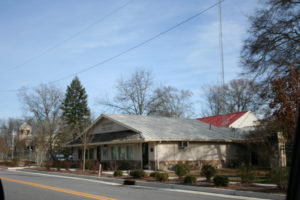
<point>76,114</point>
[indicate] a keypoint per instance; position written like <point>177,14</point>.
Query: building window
<point>79,154</point>
<point>91,154</point>
<point>129,152</point>
<point>122,153</point>
<point>114,153</point>
<point>104,152</point>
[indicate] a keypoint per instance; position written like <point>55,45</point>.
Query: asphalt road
<point>30,186</point>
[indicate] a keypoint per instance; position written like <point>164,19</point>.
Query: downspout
<point>141,158</point>
<point>157,157</point>
<point>174,151</point>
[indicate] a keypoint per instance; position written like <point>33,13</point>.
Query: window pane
<point>122,153</point>
<point>114,153</point>
<point>129,152</point>
<point>104,153</point>
<point>91,154</point>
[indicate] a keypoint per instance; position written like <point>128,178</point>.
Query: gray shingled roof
<point>164,128</point>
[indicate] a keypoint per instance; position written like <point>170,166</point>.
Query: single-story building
<point>248,121</point>
<point>239,120</point>
<point>150,142</point>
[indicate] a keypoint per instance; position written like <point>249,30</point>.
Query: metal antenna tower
<point>221,60</point>
<point>221,42</point>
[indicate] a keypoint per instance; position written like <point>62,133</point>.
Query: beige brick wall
<point>197,153</point>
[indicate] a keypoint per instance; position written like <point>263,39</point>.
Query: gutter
<point>159,141</point>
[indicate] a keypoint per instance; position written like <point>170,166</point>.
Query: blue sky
<point>186,58</point>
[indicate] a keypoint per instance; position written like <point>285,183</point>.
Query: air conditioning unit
<point>183,144</point>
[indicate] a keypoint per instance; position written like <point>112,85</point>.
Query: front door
<point>145,155</point>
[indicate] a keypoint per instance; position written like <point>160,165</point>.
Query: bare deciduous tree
<point>137,95</point>
<point>238,95</point>
<point>4,148</point>
<point>43,103</point>
<point>86,138</point>
<point>172,102</point>
<point>271,55</point>
<point>214,100</point>
<point>133,95</point>
<point>7,128</point>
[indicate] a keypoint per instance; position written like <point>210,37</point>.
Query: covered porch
<point>135,155</point>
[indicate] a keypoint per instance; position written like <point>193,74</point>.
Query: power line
<point>138,45</point>
<point>135,46</point>
<point>29,60</point>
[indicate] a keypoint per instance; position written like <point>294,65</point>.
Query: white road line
<point>163,189</point>
<point>216,195</point>
<point>68,177</point>
<point>205,193</point>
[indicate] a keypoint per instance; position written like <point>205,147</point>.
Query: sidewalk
<point>168,186</point>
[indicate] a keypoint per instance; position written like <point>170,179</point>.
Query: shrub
<point>28,163</point>
<point>57,164</point>
<point>208,171</point>
<point>96,165</point>
<point>138,173</point>
<point>124,165</point>
<point>247,173</point>
<point>280,177</point>
<point>67,164</point>
<point>15,162</point>
<point>181,170</point>
<point>190,179</point>
<point>48,164</point>
<point>80,164</point>
<point>162,176</point>
<point>88,164</point>
<point>118,173</point>
<point>221,180</point>
<point>154,174</point>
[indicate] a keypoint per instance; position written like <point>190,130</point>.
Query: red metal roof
<point>222,120</point>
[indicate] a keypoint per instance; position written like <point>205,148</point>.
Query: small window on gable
<point>183,144</point>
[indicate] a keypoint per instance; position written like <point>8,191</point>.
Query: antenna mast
<point>221,60</point>
<point>221,42</point>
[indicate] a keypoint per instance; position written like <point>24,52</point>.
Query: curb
<point>105,179</point>
<point>172,186</point>
<point>213,190</point>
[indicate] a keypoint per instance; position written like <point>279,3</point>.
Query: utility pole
<point>13,144</point>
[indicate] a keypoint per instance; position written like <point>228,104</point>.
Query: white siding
<point>195,151</point>
<point>246,120</point>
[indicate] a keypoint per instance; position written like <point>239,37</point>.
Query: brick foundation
<point>193,165</point>
<point>122,165</point>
